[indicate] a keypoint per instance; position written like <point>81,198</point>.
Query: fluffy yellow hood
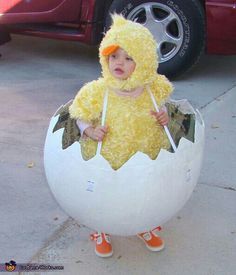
<point>139,43</point>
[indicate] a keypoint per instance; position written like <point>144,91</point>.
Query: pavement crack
<point>217,98</point>
<point>230,188</point>
<point>219,186</point>
<point>55,235</point>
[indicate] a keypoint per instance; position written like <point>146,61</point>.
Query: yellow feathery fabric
<point>87,104</point>
<point>131,126</point>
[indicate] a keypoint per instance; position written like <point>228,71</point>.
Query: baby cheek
<point>110,67</point>
<point>133,67</point>
<point>110,62</point>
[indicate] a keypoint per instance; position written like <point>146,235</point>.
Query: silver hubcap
<point>165,26</point>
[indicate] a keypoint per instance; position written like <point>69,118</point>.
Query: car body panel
<point>33,11</point>
<point>87,26</point>
<point>221,26</point>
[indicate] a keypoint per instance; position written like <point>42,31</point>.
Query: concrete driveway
<point>37,76</point>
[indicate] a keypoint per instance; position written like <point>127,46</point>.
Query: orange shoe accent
<point>152,240</point>
<point>103,246</point>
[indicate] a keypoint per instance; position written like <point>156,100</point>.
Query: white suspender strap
<point>165,127</point>
<point>104,111</point>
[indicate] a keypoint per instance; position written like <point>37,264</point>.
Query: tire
<point>178,27</point>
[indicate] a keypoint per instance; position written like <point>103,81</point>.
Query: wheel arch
<point>101,9</point>
<point>4,35</point>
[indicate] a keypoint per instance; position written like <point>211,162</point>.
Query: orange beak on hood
<point>109,50</point>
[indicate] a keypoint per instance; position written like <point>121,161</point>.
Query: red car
<point>182,28</point>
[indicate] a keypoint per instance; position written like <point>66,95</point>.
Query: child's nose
<point>120,61</point>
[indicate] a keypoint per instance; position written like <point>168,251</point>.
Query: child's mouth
<point>119,71</point>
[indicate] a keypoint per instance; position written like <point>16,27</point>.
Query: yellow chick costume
<point>131,126</point>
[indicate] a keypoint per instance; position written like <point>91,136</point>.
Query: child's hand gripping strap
<point>165,127</point>
<point>104,111</point>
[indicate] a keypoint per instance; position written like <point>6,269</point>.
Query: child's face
<point>120,64</point>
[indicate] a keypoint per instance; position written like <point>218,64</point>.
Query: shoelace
<point>96,236</point>
<point>158,228</point>
<point>148,235</point>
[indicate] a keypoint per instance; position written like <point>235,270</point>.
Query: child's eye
<point>129,59</point>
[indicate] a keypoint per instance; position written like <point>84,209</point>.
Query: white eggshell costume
<point>140,195</point>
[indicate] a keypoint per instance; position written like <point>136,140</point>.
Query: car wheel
<point>178,27</point>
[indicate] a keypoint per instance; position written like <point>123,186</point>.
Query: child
<point>129,64</point>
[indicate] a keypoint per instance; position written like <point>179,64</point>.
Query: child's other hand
<point>161,117</point>
<point>97,134</point>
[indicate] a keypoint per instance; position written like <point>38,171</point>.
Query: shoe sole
<point>151,248</point>
<point>103,255</point>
